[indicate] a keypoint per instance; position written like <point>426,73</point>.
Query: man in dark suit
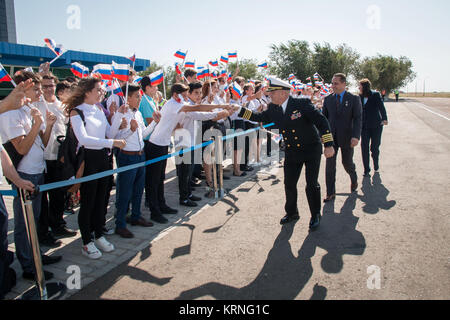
<point>343,111</point>
<point>300,123</point>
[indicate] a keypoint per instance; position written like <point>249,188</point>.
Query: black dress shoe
<point>329,198</point>
<point>315,222</point>
<point>188,203</point>
<point>159,218</point>
<point>31,275</point>
<point>168,210</point>
<point>366,174</point>
<point>248,168</point>
<point>49,241</point>
<point>47,260</point>
<point>194,198</point>
<point>287,219</point>
<point>64,232</point>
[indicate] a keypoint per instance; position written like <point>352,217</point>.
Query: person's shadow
<point>284,275</point>
<point>375,195</point>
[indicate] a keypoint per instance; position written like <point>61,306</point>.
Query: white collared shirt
<point>169,120</point>
<point>135,140</point>
<point>18,123</point>
<point>59,128</point>
<point>284,105</point>
<point>1,168</point>
<point>93,134</point>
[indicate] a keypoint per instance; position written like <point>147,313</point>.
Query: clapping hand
<point>133,125</point>
<point>50,118</point>
<point>123,124</point>
<point>123,109</point>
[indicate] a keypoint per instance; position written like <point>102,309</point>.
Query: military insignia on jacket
<point>346,103</point>
<point>296,115</point>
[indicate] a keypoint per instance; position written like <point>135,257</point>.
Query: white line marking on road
<point>424,107</point>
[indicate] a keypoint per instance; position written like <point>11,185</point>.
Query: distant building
<point>7,22</point>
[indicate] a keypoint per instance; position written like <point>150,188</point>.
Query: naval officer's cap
<point>277,84</point>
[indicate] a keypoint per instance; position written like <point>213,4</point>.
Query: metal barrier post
<point>214,163</point>
<point>41,291</point>
<point>219,158</point>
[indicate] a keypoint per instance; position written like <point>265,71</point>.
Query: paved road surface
<point>398,224</point>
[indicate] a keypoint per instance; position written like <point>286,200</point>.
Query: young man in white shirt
<point>159,146</point>
<point>131,183</point>
<point>28,136</point>
<point>185,138</point>
<point>53,201</point>
<point>7,168</point>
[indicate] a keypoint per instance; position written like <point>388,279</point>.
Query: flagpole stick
<point>164,85</point>
<point>57,57</point>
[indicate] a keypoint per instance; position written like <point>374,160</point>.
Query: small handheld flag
<point>224,60</point>
<point>57,49</point>
<point>133,58</point>
<point>156,78</point>
<point>180,54</point>
<point>214,63</point>
<point>291,76</point>
<point>121,71</point>
<point>177,69</point>
<point>189,65</point>
<point>138,80</point>
<point>236,89</point>
<point>4,76</point>
<point>232,55</point>
<point>104,70</point>
<point>79,70</point>
<point>316,76</point>
<point>263,65</point>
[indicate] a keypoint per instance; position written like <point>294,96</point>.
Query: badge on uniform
<point>296,115</point>
<point>346,103</point>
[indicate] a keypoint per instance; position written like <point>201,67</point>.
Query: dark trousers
<point>293,166</point>
<point>184,173</point>
<point>157,172</point>
<point>53,201</point>
<point>131,188</point>
<point>93,194</point>
<point>371,140</point>
<point>3,243</point>
<point>349,166</point>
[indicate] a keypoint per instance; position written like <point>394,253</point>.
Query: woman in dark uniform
<point>374,118</point>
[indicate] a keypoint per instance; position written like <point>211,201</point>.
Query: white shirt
<point>186,137</point>
<point>135,140</point>
<point>18,123</point>
<point>169,120</point>
<point>219,101</point>
<point>59,128</point>
<point>93,135</point>
<point>284,105</point>
<point>234,116</point>
<point>1,168</point>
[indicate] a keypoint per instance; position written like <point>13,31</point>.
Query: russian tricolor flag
<point>263,65</point>
<point>223,73</point>
<point>189,65</point>
<point>177,69</point>
<point>57,49</point>
<point>121,71</point>
<point>180,55</point>
<point>79,70</point>
<point>114,87</point>
<point>156,78</point>
<point>214,63</point>
<point>138,80</point>
<point>232,55</point>
<point>203,73</point>
<point>291,76</point>
<point>104,70</point>
<point>316,76</point>
<point>223,59</point>
<point>4,76</point>
<point>236,89</point>
<point>133,58</point>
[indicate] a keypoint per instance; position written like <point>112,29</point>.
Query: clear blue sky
<point>209,28</point>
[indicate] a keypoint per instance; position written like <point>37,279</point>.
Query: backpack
<point>70,160</point>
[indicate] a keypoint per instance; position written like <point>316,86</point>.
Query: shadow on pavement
<point>375,195</point>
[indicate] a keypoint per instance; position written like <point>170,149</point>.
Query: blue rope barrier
<point>66,183</point>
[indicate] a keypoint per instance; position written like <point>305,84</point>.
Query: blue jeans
<point>131,185</point>
<point>23,248</point>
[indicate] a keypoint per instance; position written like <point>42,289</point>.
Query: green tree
<point>169,76</point>
<point>386,72</point>
<point>294,57</point>
<point>248,69</point>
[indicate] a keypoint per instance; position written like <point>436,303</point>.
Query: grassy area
<point>420,95</point>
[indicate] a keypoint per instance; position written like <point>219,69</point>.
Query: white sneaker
<point>104,245</point>
<point>91,251</point>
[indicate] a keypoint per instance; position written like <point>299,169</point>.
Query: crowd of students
<point>127,130</point>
